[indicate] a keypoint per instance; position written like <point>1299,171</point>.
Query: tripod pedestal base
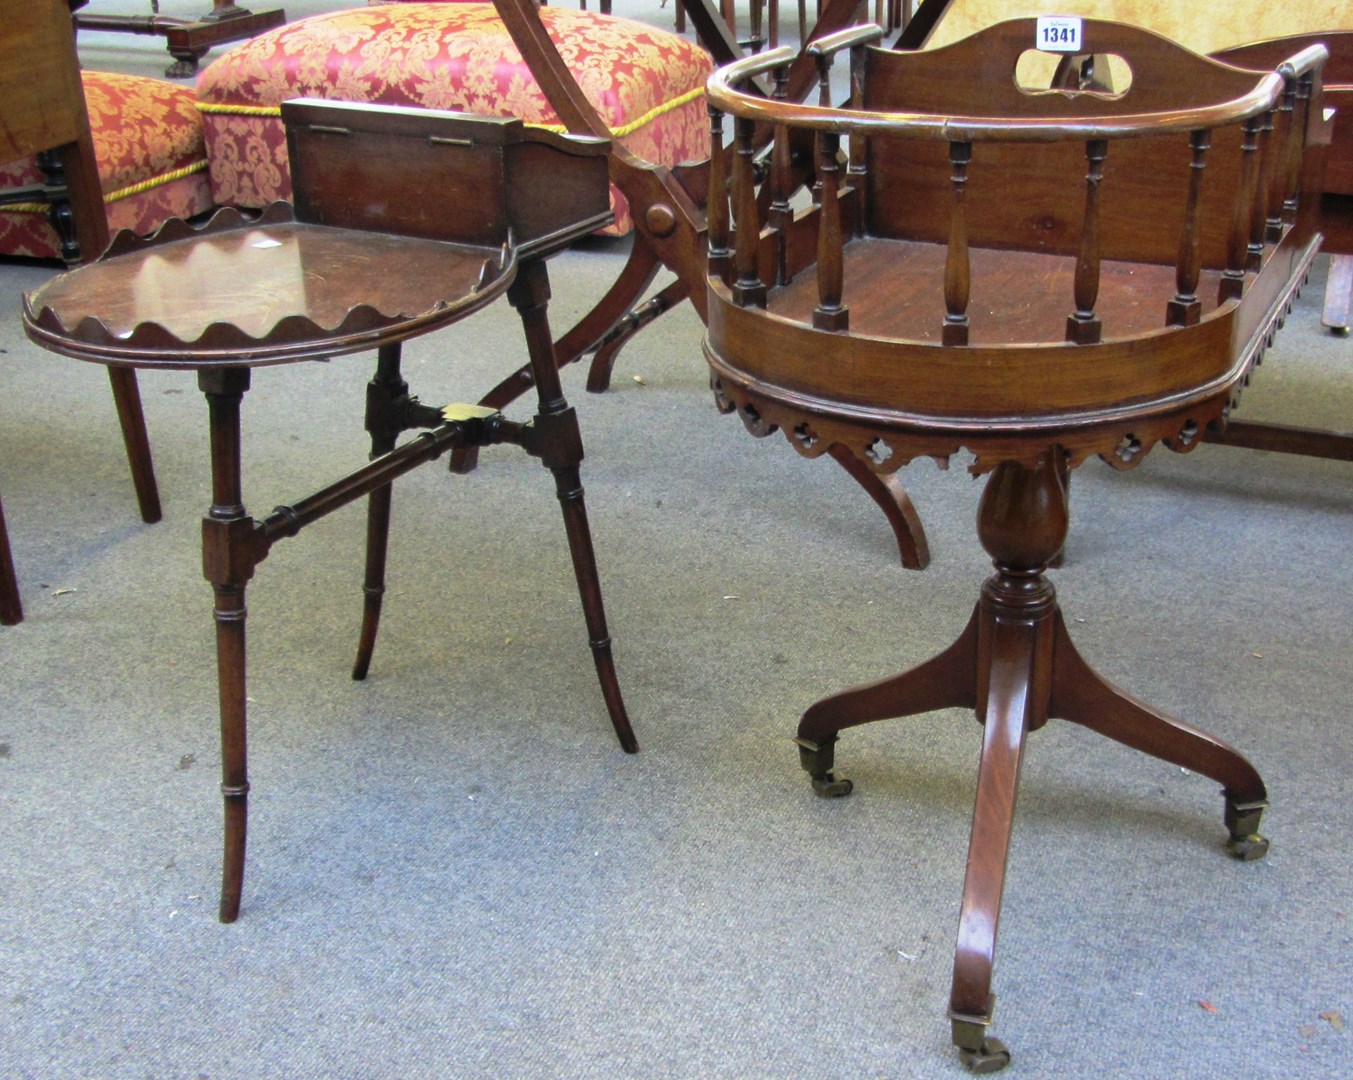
<point>1016,667</point>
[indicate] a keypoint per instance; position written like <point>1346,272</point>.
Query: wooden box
<point>444,175</point>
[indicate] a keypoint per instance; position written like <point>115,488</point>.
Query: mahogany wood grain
<point>830,313</point>
<point>719,220</point>
<point>749,287</point>
<point>1083,326</point>
<point>557,442</point>
<point>1335,91</point>
<point>385,393</point>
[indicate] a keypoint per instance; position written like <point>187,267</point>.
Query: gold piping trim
<point>156,181</point>
<point>239,110</point>
<point>648,117</point>
<point>616,133</point>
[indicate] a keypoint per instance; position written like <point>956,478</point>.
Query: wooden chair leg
<point>603,361</point>
<point>127,396</point>
<point>11,609</point>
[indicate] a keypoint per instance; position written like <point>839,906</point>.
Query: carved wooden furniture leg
<point>127,397</point>
<point>891,496</point>
<point>386,389</point>
<point>946,681</point>
<point>11,609</point>
<point>1016,666</point>
<point>1022,523</point>
<point>187,40</point>
<point>1081,695</point>
<point>228,560</point>
<point>558,443</point>
<point>603,361</point>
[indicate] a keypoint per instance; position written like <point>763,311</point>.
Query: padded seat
<point>151,156</point>
<point>647,84</point>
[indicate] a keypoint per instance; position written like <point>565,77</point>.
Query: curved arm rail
<point>725,93</point>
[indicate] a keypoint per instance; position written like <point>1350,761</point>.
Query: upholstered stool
<point>152,163</point>
<point>647,84</point>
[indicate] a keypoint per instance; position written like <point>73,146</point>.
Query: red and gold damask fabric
<point>151,156</point>
<point>647,84</point>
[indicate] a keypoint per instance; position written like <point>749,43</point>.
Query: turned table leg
<point>558,443</point>
<point>228,560</point>
<point>386,388</point>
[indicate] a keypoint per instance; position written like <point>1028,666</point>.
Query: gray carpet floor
<point>455,872</point>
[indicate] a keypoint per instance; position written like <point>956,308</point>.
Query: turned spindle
<point>1186,309</point>
<point>1259,213</point>
<point>1301,112</point>
<point>830,313</point>
<point>717,212</point>
<point>1083,325</point>
<point>1232,284</point>
<point>748,288</point>
<point>957,272</point>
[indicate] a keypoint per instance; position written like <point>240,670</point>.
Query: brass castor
<point>991,1057</point>
<point>1247,848</point>
<point>818,760</point>
<point>1242,821</point>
